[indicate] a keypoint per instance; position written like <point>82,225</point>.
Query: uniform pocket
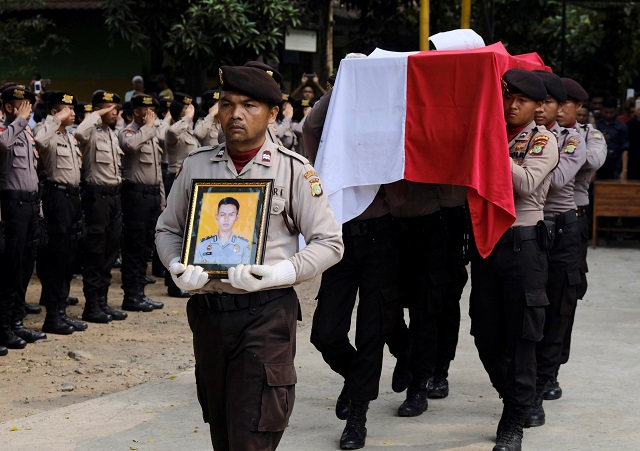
<point>571,295</point>
<point>534,314</point>
<point>20,159</point>
<point>63,158</point>
<point>146,155</point>
<point>278,396</point>
<point>275,226</point>
<point>103,152</point>
<point>391,308</point>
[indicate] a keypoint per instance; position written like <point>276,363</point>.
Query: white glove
<point>243,276</point>
<point>190,278</point>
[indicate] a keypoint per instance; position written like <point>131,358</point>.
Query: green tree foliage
<point>23,38</point>
<point>199,35</point>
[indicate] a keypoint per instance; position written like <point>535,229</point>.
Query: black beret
<point>143,100</point>
<point>254,79</point>
<point>574,90</point>
<point>59,98</point>
<point>81,108</point>
<point>101,96</point>
<point>520,81</point>
<point>184,99</point>
<point>127,108</point>
<point>165,103</point>
<point>17,92</point>
<point>209,98</point>
<point>553,84</point>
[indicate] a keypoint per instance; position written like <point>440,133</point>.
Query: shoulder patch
<point>539,143</point>
<point>128,132</point>
<point>572,144</point>
<point>597,135</point>
<point>293,154</point>
<point>2,128</point>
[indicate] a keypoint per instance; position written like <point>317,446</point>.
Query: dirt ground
<point>106,358</point>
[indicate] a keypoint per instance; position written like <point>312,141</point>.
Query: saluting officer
<point>559,209</point>
<point>101,205</point>
<point>142,199</point>
<point>62,161</point>
<point>245,327</point>
<point>21,212</point>
<point>207,129</point>
<point>508,297</point>
<point>180,140</point>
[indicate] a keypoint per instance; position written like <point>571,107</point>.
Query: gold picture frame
<point>227,224</point>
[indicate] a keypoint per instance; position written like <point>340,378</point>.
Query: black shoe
<point>94,314</point>
<point>510,434</point>
<point>148,281</point>
<point>33,309</point>
<point>118,263</point>
<point>3,351</point>
<point>72,301</point>
<point>401,374</point>
<point>342,405</point>
<point>77,325</point>
<point>355,432</point>
<point>28,335</point>
<point>176,292</point>
<point>136,304</point>
<point>161,273</point>
<point>10,340</point>
<point>553,391</point>
<point>157,305</point>
<point>437,388</point>
<point>53,324</point>
<point>535,416</point>
<point>117,315</point>
<point>416,402</point>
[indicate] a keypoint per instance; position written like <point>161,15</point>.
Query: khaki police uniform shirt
<point>18,157</point>
<point>212,249</point>
<point>60,153</point>
<point>596,155</point>
<point>206,131</point>
<point>285,134</point>
<point>534,154</point>
<point>573,154</point>
<point>161,133</point>
<point>101,151</point>
<point>180,140</point>
<point>309,210</point>
<point>142,156</point>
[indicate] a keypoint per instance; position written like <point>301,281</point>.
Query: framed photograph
<point>227,224</point>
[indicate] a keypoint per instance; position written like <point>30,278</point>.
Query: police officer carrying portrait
<point>101,205</point>
<point>245,326</point>
<point>20,204</point>
<point>508,298</point>
<point>62,161</point>
<point>563,256</point>
<point>224,246</point>
<point>142,199</point>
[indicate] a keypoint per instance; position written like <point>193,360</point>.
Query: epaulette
<point>293,154</point>
<point>202,149</point>
<point>241,238</point>
<point>207,238</point>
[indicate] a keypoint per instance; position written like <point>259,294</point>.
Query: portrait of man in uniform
<point>224,246</point>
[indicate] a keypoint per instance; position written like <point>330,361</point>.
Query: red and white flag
<point>429,117</point>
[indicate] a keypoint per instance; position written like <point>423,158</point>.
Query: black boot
<point>355,432</point>
<point>134,301</point>
<point>53,322</point>
<point>28,335</point>
<point>416,402</point>
<point>437,387</point>
<point>32,309</point>
<point>117,315</point>
<point>148,281</point>
<point>92,311</point>
<point>342,404</point>
<point>536,416</point>
<point>77,325</point>
<point>72,300</point>
<point>553,390</point>
<point>7,338</point>
<point>401,374</point>
<point>157,305</point>
<point>3,351</point>
<point>510,434</point>
<point>176,292</point>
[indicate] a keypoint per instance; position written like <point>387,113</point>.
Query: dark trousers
<point>56,261</point>
<point>245,373</point>
<point>507,310</point>
<point>103,217</point>
<point>140,211</point>
<point>562,291</point>
<point>368,269</point>
<point>20,213</point>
